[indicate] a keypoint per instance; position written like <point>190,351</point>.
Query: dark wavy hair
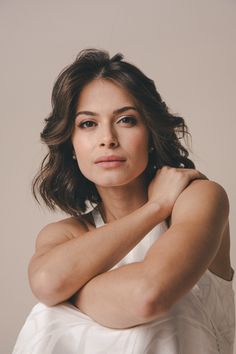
<point>59,181</point>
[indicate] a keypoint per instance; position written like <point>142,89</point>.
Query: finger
<point>199,175</point>
<point>193,173</point>
<point>202,176</point>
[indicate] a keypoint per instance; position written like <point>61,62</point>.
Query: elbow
<point>151,306</point>
<point>45,290</point>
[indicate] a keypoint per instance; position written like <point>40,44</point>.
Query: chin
<point>111,182</point>
<point>116,181</point>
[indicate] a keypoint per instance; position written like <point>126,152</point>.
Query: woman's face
<point>104,127</point>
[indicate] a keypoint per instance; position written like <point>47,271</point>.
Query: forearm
<point>73,263</point>
<point>118,298</point>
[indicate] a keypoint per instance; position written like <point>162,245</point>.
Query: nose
<point>108,138</point>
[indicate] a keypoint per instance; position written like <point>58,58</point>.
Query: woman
<point>147,268</point>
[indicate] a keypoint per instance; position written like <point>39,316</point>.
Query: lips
<point>109,158</point>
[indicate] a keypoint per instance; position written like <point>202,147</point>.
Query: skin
<point>122,189</point>
<point>65,263</point>
<point>197,240</point>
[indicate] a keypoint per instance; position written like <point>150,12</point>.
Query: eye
<point>89,123</point>
<point>82,125</point>
<point>129,119</point>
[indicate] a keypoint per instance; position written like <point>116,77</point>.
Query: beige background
<point>186,46</point>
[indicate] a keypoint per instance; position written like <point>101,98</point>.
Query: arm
<point>68,256</point>
<point>173,264</point>
<point>115,299</point>
<point>179,257</point>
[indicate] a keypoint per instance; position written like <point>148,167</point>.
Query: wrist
<point>157,211</point>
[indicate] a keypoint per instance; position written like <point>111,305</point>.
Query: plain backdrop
<point>187,47</point>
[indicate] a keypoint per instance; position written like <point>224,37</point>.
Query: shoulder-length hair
<point>59,181</point>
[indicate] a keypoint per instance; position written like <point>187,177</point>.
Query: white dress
<point>202,322</point>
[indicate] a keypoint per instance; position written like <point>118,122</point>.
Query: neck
<point>120,201</point>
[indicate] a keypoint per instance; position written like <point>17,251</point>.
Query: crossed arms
<point>69,261</point>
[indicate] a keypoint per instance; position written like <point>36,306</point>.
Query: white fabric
<point>202,322</point>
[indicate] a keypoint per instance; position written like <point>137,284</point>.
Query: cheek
<point>83,152</point>
<point>82,146</point>
<point>139,146</point>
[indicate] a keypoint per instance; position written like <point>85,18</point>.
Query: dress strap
<point>98,220</point>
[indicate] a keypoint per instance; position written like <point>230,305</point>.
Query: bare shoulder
<point>59,232</point>
<point>199,187</point>
<point>201,197</point>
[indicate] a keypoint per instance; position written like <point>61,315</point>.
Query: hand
<point>167,185</point>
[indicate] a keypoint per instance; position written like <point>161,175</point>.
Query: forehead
<point>104,94</point>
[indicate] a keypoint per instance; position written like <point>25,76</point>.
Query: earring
<point>151,149</point>
<point>73,157</point>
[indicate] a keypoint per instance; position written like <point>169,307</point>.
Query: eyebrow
<point>119,110</point>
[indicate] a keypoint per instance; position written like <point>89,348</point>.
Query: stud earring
<point>151,149</point>
<point>73,157</point>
